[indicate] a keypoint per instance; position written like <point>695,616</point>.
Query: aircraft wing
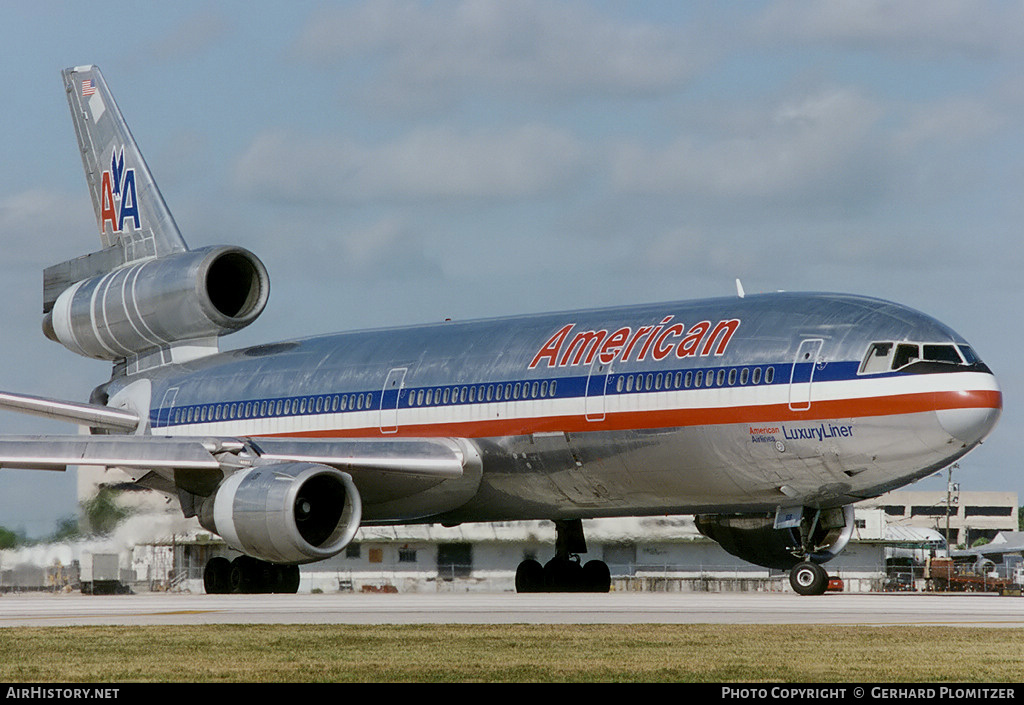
<point>438,459</point>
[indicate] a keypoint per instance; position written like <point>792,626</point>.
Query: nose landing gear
<point>808,578</point>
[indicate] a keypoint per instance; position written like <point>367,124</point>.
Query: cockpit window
<point>877,359</point>
<point>969,355</point>
<point>891,356</point>
<point>905,355</point>
<point>941,353</point>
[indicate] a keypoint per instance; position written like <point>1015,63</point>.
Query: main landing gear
<point>246,575</point>
<point>565,572</point>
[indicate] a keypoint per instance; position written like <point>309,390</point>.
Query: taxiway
<point>979,610</point>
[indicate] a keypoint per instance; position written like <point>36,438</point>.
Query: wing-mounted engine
<point>819,537</point>
<point>285,512</point>
<point>153,304</point>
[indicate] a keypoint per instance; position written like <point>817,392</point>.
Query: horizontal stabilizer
<point>93,415</point>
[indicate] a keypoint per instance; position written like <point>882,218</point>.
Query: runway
<point>902,609</point>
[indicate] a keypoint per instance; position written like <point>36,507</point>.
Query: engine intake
<point>185,296</point>
<point>285,513</point>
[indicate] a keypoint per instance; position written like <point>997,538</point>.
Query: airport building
<point>644,554</point>
<point>159,550</point>
<point>965,517</point>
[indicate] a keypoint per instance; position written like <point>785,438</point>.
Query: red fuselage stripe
<point>676,418</point>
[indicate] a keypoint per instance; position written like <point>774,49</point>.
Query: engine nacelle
<point>754,538</point>
<point>185,296</point>
<point>285,513</point>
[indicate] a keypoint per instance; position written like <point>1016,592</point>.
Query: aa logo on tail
<point>117,195</point>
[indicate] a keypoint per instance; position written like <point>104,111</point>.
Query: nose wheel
<point>808,579</point>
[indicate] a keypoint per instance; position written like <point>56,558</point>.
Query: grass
<point>509,653</point>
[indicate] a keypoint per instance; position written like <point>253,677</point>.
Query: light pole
<point>952,494</point>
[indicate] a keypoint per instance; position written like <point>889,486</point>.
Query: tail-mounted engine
<point>286,512</point>
<point>191,295</point>
<point>819,538</point>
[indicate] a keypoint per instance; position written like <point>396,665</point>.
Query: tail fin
<point>134,222</point>
<point>130,211</point>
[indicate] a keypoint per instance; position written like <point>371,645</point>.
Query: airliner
<point>765,416</point>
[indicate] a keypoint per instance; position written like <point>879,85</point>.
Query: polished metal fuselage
<point>602,413</point>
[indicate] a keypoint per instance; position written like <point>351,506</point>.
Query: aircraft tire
<point>217,576</point>
<point>287,579</point>
<point>245,575</point>
<point>530,576</point>
<point>597,577</point>
<point>808,579</point>
<point>563,575</point>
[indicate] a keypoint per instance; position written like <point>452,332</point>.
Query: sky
<point>396,162</point>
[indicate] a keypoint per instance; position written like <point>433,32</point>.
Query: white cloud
<point>923,26</point>
<point>64,223</point>
<point>194,34</point>
<point>431,163</point>
<point>528,45</point>
<point>950,122</point>
<point>781,152</point>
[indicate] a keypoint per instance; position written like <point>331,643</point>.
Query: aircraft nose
<point>969,425</point>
